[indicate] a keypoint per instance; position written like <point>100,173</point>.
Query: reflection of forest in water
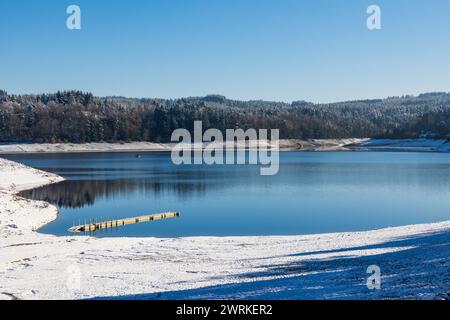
<point>86,185</point>
<point>81,193</point>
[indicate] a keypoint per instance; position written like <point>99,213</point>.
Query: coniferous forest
<point>78,117</point>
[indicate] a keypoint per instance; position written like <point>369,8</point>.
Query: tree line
<point>79,117</point>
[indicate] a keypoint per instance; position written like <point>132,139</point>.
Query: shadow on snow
<point>420,270</point>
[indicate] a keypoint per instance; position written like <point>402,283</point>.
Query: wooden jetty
<point>111,224</point>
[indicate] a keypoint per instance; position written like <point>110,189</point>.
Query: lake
<point>312,193</point>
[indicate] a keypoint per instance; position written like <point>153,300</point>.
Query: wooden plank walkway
<point>111,224</point>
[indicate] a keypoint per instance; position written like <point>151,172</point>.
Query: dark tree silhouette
<point>74,116</point>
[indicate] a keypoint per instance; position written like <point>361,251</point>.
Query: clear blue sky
<point>316,50</point>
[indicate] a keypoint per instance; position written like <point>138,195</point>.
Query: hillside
<point>78,117</point>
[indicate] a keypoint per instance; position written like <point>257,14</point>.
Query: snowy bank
<point>351,144</point>
<point>404,145</point>
<point>284,145</point>
<point>414,260</point>
<point>85,147</point>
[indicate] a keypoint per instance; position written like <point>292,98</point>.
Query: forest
<point>79,117</point>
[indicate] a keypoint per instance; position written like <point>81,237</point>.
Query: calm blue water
<point>313,193</point>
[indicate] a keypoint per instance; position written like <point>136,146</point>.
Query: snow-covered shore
<point>284,145</point>
<point>414,260</point>
<point>85,147</point>
<point>403,145</point>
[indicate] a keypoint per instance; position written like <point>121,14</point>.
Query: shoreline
<point>292,145</point>
<point>38,266</point>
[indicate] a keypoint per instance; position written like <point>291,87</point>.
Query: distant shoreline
<point>293,145</point>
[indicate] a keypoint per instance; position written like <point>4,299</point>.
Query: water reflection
<point>313,192</point>
<point>82,193</point>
